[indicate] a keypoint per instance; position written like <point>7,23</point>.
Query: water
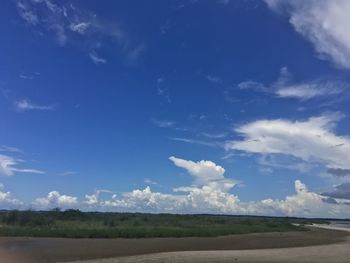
<point>343,224</point>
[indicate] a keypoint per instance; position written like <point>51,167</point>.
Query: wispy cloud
<point>22,76</point>
<point>214,79</point>
<point>324,23</point>
<point>26,105</point>
<point>9,166</point>
<point>85,29</point>
<point>27,14</point>
<point>284,87</point>
<point>194,141</point>
<point>5,148</point>
<point>162,89</point>
<point>67,173</point>
<point>312,140</point>
<point>214,135</point>
<point>96,59</point>
<point>150,182</point>
<point>80,27</point>
<point>163,123</point>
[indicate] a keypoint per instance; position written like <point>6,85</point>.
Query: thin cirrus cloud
<point>324,23</point>
<point>26,105</point>
<point>284,87</point>
<point>163,123</point>
<point>195,141</point>
<point>96,58</point>
<point>9,166</point>
<point>312,140</point>
<point>71,24</point>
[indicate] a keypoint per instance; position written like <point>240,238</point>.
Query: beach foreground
<point>313,254</point>
<point>336,252</point>
<point>317,244</point>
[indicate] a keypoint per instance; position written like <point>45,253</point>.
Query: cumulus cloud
<point>284,87</point>
<point>93,199</point>
<point>208,194</point>
<point>203,171</point>
<point>26,105</point>
<point>311,140</point>
<point>8,202</point>
<point>204,197</point>
<point>324,23</point>
<point>9,166</point>
<point>208,200</point>
<point>55,199</point>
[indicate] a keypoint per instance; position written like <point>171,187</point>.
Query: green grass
<point>76,224</point>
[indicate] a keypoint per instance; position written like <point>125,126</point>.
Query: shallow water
<point>343,224</point>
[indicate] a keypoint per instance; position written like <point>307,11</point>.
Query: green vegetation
<point>77,224</point>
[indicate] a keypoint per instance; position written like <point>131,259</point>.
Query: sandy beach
<point>336,252</point>
<point>317,244</point>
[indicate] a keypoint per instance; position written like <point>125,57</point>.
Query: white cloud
<point>324,23</point>
<point>214,135</point>
<point>27,14</point>
<point>203,171</point>
<point>8,202</point>
<point>284,87</point>
<point>303,203</point>
<point>162,90</point>
<point>163,123</point>
<point>214,79</point>
<point>210,200</point>
<point>150,182</point>
<point>25,105</point>
<point>194,141</point>
<point>9,166</point>
<point>67,173</point>
<point>5,148</point>
<point>96,59</point>
<point>81,27</point>
<point>204,196</point>
<point>93,199</point>
<point>311,140</point>
<point>206,173</point>
<point>55,199</point>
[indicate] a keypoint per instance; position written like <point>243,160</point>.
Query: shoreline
<point>47,250</point>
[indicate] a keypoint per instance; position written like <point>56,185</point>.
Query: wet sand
<point>47,250</point>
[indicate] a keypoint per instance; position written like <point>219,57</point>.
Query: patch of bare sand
<point>213,249</point>
<point>339,253</point>
<point>336,252</point>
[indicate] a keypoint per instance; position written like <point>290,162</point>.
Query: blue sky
<point>236,107</point>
